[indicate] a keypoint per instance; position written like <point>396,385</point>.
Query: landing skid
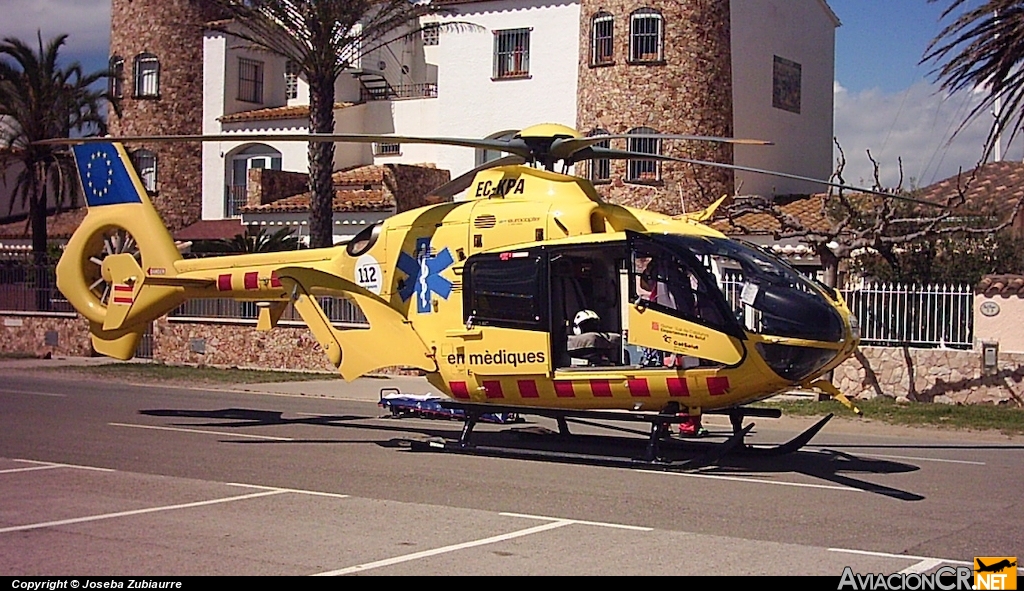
<point>652,455</point>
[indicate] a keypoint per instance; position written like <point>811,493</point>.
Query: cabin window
<point>507,290</point>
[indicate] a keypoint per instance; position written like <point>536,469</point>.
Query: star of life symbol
<point>424,270</point>
<point>99,176</point>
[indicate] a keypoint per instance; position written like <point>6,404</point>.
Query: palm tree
<point>983,48</point>
<point>256,239</point>
<point>40,100</point>
<point>323,38</point>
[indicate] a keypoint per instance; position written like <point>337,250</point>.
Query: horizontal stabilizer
<point>390,340</point>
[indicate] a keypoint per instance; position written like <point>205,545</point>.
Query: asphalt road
<point>115,479</point>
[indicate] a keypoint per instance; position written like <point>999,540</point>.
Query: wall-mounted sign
<point>989,308</point>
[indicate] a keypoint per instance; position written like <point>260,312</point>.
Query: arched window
<point>115,77</point>
<point>602,32</point>
<point>241,162</point>
<point>483,156</point>
<point>600,168</point>
<point>645,36</point>
<point>643,171</point>
<point>145,164</point>
<point>147,76</point>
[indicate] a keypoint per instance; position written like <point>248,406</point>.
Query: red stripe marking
<point>564,390</point>
<point>718,385</point>
<point>492,388</point>
<point>275,281</point>
<point>224,282</point>
<point>123,300</point>
<point>638,388</point>
<point>678,387</point>
<point>601,388</point>
<point>122,288</point>
<point>459,390</point>
<point>252,280</point>
<point>528,389</point>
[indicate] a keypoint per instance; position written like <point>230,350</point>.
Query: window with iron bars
<point>645,36</point>
<point>387,149</point>
<point>250,80</point>
<point>145,165</point>
<point>600,168</point>
<point>643,171</point>
<point>512,53</point>
<point>601,39</point>
<point>147,76</point>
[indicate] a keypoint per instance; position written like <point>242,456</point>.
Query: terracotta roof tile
<point>996,187</point>
<point>345,200</point>
<point>806,208</point>
<point>58,225</point>
<point>272,113</point>
<point>1001,285</point>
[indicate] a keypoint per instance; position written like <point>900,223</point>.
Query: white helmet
<point>581,317</point>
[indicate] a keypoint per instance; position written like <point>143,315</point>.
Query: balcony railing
<point>235,197</point>
<point>401,91</point>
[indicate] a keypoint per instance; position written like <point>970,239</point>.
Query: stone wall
<point>267,185</point>
<point>172,30</point>
<point>235,344</point>
<point>687,92</point>
<point>25,334</point>
<point>939,375</point>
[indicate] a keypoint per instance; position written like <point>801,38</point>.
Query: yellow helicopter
<point>532,295</point>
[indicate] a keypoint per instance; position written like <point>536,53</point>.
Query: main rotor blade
<point>464,180</point>
<point>564,148</point>
<point>514,146</point>
<point>599,153</point>
<point>797,177</point>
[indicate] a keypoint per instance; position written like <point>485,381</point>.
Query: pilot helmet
<point>585,321</point>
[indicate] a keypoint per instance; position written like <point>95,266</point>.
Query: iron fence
<point>338,310</point>
<point>26,287</point>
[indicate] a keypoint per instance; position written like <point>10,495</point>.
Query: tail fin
<point>120,243</point>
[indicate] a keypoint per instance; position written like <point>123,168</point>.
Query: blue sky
<point>885,102</point>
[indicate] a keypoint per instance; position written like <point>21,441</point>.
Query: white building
<point>519,66</point>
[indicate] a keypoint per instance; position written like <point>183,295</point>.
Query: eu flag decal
<point>104,177</point>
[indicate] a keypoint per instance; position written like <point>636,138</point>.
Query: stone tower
<point>157,48</point>
<point>661,66</point>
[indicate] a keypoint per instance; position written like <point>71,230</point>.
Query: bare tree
<point>323,38</point>
<point>848,221</point>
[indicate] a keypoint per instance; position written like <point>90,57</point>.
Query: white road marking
<point>135,512</point>
<point>29,469</point>
<point>755,480</point>
<point>576,521</point>
<point>903,556</point>
<point>443,550</point>
<point>922,459</point>
<point>59,465</point>
<point>201,431</point>
<point>298,491</point>
<point>922,567</point>
<point>31,393</point>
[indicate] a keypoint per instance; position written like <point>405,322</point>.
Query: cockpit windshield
<point>767,295</point>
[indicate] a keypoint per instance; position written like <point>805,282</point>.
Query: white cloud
<point>86,22</point>
<point>914,125</point>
